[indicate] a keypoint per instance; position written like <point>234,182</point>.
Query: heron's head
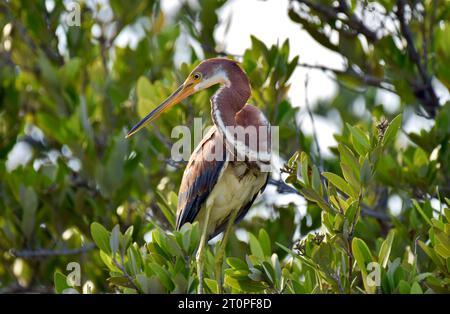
<point>208,73</point>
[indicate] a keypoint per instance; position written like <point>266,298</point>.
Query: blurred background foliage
<point>72,189</point>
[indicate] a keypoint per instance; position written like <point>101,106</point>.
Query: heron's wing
<point>242,212</point>
<point>200,177</point>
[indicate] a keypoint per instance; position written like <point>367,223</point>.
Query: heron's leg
<point>201,249</point>
<point>221,251</point>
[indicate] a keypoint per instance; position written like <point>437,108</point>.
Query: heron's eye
<point>197,76</point>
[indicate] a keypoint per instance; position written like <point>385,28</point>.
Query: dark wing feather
<point>199,178</point>
<point>242,212</point>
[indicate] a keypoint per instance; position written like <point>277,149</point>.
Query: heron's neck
<point>228,104</point>
<point>230,99</point>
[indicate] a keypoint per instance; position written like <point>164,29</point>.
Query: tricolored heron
<point>217,192</point>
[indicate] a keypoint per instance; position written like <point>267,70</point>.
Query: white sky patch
<point>20,155</point>
<point>395,205</point>
<point>131,34</point>
<point>359,106</point>
<point>390,101</point>
<point>273,197</point>
<point>416,123</point>
<point>437,206</point>
<point>441,91</point>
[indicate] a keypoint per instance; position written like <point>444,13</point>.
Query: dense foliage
<point>73,189</point>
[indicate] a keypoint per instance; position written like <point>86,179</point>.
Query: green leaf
<point>255,246</point>
<point>365,172</point>
<point>442,250</point>
<point>107,260</point>
<point>361,252</point>
<point>313,196</point>
<point>159,237</point>
<point>362,256</point>
<point>442,238</point>
<point>163,275</point>
<point>134,260</point>
<point>101,237</point>
<point>385,249</point>
<point>29,202</point>
<point>340,183</point>
<point>360,140</point>
<point>422,213</point>
<point>350,161</point>
<point>168,207</point>
<point>255,274</point>
<point>264,240</point>
<point>277,268</point>
<point>292,162</point>
<point>316,182</point>
<point>269,272</point>
<point>304,168</point>
<point>350,176</point>
<point>114,240</point>
<point>404,287</point>
<point>350,212</point>
<point>127,238</point>
<point>416,289</point>
<point>150,284</point>
<point>391,131</point>
<point>259,45</point>
<point>347,156</point>
<point>60,282</point>
<point>212,285</point>
<point>245,285</point>
<point>144,88</point>
<point>448,264</point>
<point>237,263</point>
<point>431,254</point>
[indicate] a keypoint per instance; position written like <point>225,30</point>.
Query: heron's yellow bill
<point>181,93</point>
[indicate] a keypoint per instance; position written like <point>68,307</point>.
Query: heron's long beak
<point>181,93</point>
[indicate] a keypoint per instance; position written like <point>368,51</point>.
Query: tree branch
<point>43,253</point>
<point>352,21</point>
<point>425,91</point>
<point>366,79</point>
<point>366,210</point>
<point>314,130</point>
<point>125,273</point>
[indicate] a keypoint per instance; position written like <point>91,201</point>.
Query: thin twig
<point>349,243</point>
<point>42,253</point>
<point>366,79</point>
<point>282,187</point>
<point>431,36</point>
<point>366,210</point>
<point>125,273</point>
<point>337,278</point>
<point>425,91</point>
<point>314,130</point>
<point>423,26</point>
<point>404,27</point>
<point>333,13</point>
